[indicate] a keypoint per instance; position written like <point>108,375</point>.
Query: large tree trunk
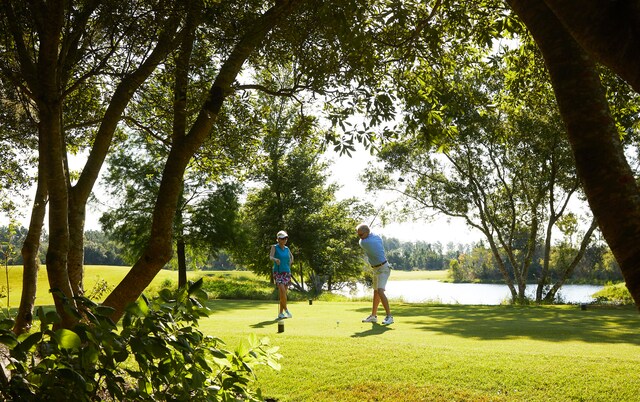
<point>56,260</point>
<point>49,102</point>
<point>608,30</point>
<point>606,177</point>
<point>42,76</point>
<point>158,250</point>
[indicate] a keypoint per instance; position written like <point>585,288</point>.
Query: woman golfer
<point>282,260</point>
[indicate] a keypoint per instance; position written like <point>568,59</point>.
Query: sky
<point>346,170</point>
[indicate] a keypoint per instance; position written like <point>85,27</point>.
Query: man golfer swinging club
<point>372,245</point>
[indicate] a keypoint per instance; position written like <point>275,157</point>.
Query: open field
<point>93,274</point>
<point>442,353</point>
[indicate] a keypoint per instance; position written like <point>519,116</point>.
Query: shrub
<point>617,294</point>
<point>158,355</point>
<point>242,288</point>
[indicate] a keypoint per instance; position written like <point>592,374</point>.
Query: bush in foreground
<point>158,355</point>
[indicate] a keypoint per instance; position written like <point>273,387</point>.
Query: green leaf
<point>8,340</point>
<point>7,324</point>
<point>243,348</point>
<point>143,306</point>
<point>89,356</point>
<point>51,317</point>
<point>68,339</point>
<point>29,342</point>
<point>104,310</point>
<point>197,285</point>
<point>224,363</point>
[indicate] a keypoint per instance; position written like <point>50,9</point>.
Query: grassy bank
<point>442,353</point>
<point>110,276</point>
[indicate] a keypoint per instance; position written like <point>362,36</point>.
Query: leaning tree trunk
<point>551,295</point>
<point>158,250</point>
<point>31,258</point>
<point>606,177</point>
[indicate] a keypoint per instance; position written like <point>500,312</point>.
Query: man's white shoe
<point>288,314</point>
<point>371,318</point>
<point>281,316</point>
<point>388,320</point>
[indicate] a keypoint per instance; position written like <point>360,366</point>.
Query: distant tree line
<point>466,262</point>
<point>598,265</point>
<point>98,248</point>
<point>420,255</point>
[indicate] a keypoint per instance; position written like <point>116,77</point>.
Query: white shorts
<point>381,276</point>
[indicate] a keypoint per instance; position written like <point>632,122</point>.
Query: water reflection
<point>422,291</point>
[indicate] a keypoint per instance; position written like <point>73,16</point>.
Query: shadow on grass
<point>598,324</point>
<point>231,304</point>
<point>264,324</point>
<point>376,329</point>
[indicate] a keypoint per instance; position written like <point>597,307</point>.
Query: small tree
<point>293,195</point>
<point>8,251</point>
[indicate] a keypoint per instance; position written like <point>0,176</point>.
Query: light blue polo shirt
<point>372,246</point>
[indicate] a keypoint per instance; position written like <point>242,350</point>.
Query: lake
<point>423,291</point>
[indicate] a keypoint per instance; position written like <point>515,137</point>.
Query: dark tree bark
<point>42,77</point>
<point>605,174</point>
<point>608,30</point>
<point>48,97</point>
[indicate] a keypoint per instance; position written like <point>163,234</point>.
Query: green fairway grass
<point>431,353</point>
<point>442,353</point>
